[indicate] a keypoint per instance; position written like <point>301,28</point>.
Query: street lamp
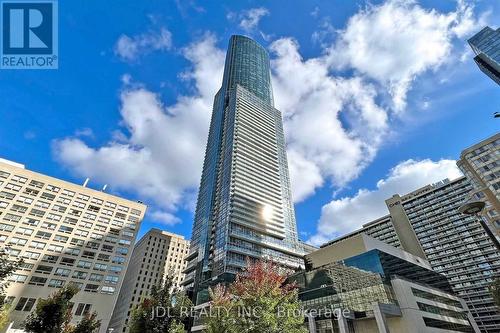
<point>475,208</point>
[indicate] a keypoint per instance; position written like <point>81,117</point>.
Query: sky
<point>377,97</point>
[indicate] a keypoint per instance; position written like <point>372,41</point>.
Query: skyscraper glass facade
<point>244,209</point>
<point>486,46</point>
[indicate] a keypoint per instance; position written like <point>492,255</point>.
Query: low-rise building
<point>373,287</point>
<point>65,233</point>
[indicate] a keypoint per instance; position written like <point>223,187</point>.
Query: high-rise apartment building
<point>65,233</point>
<point>158,254</point>
<point>486,46</point>
<point>481,165</point>
<point>244,209</point>
<point>428,224</point>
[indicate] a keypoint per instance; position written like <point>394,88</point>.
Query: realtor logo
<point>29,35</point>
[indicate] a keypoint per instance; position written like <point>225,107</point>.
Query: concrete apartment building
<point>428,224</point>
<point>378,288</point>
<point>65,233</point>
<point>157,254</point>
<point>481,165</point>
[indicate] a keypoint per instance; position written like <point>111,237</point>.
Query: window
<point>84,264</point>
<point>63,200</point>
<point>12,218</point>
<point>96,277</point>
<point>107,290</point>
<point>52,188</point>
<point>60,239</point>
<point>50,258</point>
<point>110,204</point>
<point>7,195</point>
<point>13,187</point>
<point>4,174</point>
<point>67,261</point>
<point>118,260</point>
<point>88,254</point>
<point>120,216</point>
<point>100,267</point>
<point>37,212</point>
<point>24,231</point>
<point>19,278</point>
<point>36,184</point>
<point>38,281</point>
<point>79,275</point>
<point>93,288</point>
<point>42,204</point>
<point>31,221</point>
<point>18,241</point>
<point>116,269</point>
<point>103,257</point>
<point>43,235</point>
<point>82,233</point>
<point>82,309</point>
<point>37,245</point>
<point>92,245</point>
<point>26,267</point>
<point>72,251</point>
<point>19,179</point>
<point>124,242</point>
<point>25,200</point>
<point>135,212</point>
<point>47,196</point>
<point>25,304</point>
<point>65,229</point>
<point>107,248</point>
<point>122,250</point>
<point>70,220</point>
<point>30,191</point>
<point>6,227</point>
<point>55,248</point>
<point>54,283</point>
<point>43,269</point>
<point>18,208</point>
<point>76,241</point>
<point>111,279</point>
<point>31,255</point>
<point>128,234</point>
<point>54,217</point>
<point>68,193</point>
<point>50,226</point>
<point>83,197</point>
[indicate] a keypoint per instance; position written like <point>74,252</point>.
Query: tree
<point>7,267</point>
<point>52,315</point>
<point>167,306</point>
<point>495,290</point>
<point>89,324</point>
<point>258,301</point>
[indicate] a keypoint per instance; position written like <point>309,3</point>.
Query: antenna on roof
<point>86,182</point>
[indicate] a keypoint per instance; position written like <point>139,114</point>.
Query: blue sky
<point>377,97</point>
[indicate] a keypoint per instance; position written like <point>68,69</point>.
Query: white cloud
<point>160,155</point>
<point>250,18</point>
<point>130,48</point>
<point>319,144</point>
<point>347,214</point>
<point>398,40</point>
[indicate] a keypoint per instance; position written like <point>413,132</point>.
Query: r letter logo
<point>29,35</point>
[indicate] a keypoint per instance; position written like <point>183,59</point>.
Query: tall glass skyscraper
<point>244,209</point>
<point>486,46</point>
